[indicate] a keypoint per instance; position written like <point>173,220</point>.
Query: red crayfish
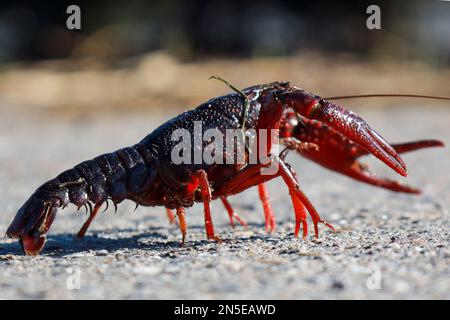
<point>145,173</point>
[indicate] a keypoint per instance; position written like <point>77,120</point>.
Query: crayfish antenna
<point>386,95</point>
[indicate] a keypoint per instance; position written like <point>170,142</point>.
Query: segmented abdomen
<point>122,174</point>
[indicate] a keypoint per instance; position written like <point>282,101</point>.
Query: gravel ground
<point>386,246</point>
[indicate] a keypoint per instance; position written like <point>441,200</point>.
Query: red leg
<point>206,197</point>
<point>231,213</point>
<point>253,177</point>
<point>182,223</point>
<point>241,181</point>
<point>86,225</point>
<point>300,216</point>
<point>268,213</point>
<point>170,215</point>
<point>294,190</point>
<point>295,144</point>
<point>245,179</point>
<point>299,210</point>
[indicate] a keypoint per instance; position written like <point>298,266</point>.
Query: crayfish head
<point>32,222</point>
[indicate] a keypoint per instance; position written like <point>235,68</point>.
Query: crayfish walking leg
<point>203,183</point>
<point>84,228</point>
<point>268,213</point>
<point>182,223</point>
<point>289,177</point>
<point>170,216</point>
<point>231,213</point>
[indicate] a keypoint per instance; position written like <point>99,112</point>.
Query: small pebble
<point>103,252</point>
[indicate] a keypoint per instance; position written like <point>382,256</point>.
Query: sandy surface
<point>387,245</point>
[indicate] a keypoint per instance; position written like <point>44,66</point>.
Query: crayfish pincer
<point>188,159</point>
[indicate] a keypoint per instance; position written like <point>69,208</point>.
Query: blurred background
<point>70,95</point>
<point>135,64</point>
<point>153,54</point>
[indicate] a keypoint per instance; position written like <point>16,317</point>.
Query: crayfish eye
<point>310,108</point>
<point>316,106</point>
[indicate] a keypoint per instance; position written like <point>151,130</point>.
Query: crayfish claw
<point>347,123</point>
<point>382,150</point>
<point>360,172</point>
